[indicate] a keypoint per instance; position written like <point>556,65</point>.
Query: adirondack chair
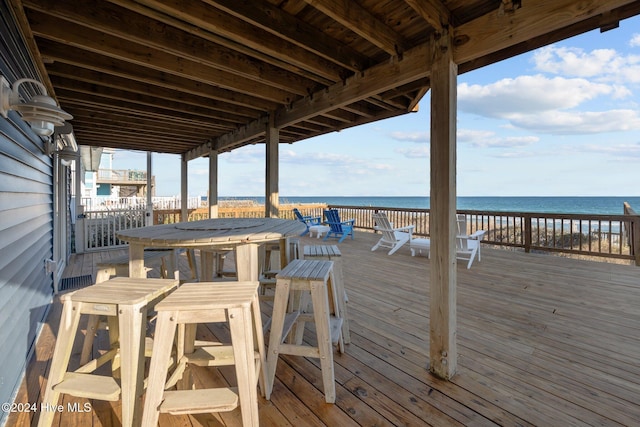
<point>467,245</point>
<point>308,220</point>
<point>338,228</point>
<point>392,238</point>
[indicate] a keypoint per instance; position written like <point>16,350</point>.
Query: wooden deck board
<point>542,340</point>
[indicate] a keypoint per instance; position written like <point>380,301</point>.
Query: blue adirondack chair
<point>338,228</point>
<point>308,220</point>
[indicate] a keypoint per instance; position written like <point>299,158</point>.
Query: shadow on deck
<point>542,340</point>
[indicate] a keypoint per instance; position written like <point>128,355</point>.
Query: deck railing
<point>609,236</point>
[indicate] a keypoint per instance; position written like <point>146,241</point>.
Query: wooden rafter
<point>357,19</point>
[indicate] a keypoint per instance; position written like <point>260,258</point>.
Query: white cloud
<point>604,65</point>
<point>528,94</point>
<point>420,152</point>
<point>617,150</point>
<point>576,123</point>
<point>489,139</point>
<point>248,154</point>
<point>635,41</point>
<point>410,136</point>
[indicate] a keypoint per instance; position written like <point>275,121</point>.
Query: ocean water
<point>582,205</point>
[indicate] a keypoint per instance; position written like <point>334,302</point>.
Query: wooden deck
<point>542,340</point>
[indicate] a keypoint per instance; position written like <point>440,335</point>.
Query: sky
<point>563,120</point>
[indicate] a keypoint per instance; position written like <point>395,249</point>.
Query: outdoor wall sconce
<point>41,111</point>
<point>64,137</point>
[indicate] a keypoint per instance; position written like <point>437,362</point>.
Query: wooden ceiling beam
<point>66,32</point>
<point>413,65</point>
<point>139,132</point>
<point>136,28</point>
<point>73,74</point>
<point>434,12</point>
<point>57,53</point>
<point>102,118</point>
<point>494,32</point>
<point>158,146</point>
<point>283,25</point>
<point>78,107</point>
<point>74,98</point>
<point>359,20</point>
<point>143,100</point>
<point>235,33</point>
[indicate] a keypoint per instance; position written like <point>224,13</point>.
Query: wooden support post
<point>213,183</point>
<point>633,234</point>
<point>184,189</point>
<point>528,232</point>
<point>149,210</point>
<point>271,191</point>
<point>442,342</point>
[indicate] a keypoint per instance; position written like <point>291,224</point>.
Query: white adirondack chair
<point>392,238</point>
<point>467,245</point>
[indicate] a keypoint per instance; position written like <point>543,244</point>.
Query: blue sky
<point>563,120</point>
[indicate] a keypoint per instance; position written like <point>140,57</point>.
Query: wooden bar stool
<point>332,253</point>
<point>232,302</point>
<point>294,283</point>
<point>125,301</point>
<point>268,274</point>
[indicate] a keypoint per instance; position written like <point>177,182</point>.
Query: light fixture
<point>63,144</point>
<point>41,111</point>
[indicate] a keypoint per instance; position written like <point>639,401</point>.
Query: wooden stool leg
<point>241,325</point>
<point>193,266</point>
<point>258,338</point>
<point>336,304</point>
<point>342,299</point>
<point>275,336</point>
<point>87,345</point>
<point>298,301</point>
<point>132,322</point>
<point>165,332</point>
<point>321,315</point>
<point>247,262</point>
<point>114,338</point>
<point>61,354</point>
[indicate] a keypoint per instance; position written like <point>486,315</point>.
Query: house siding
<point>26,223</point>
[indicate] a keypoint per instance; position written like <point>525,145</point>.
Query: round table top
<point>213,232</point>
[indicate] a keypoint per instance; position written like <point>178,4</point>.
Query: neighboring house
<point>110,182</point>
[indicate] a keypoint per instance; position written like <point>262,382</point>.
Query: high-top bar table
<point>242,234</point>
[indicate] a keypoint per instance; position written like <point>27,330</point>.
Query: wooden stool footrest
<point>214,355</point>
<point>199,401</point>
<point>89,386</point>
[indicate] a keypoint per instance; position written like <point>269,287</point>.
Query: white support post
<point>184,189</point>
<point>271,191</point>
<point>442,343</point>
<point>213,183</point>
<point>79,209</point>
<point>149,213</point>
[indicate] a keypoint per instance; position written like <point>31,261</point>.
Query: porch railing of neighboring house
<point>610,236</point>
<point>121,175</point>
<point>100,227</point>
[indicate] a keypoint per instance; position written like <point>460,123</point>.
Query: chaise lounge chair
<point>392,238</point>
